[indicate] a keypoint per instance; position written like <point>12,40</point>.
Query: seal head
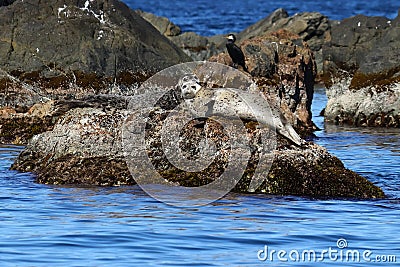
<point>189,86</point>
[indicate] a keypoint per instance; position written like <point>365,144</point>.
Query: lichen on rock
<point>361,69</point>
<point>284,71</point>
<point>71,48</point>
<point>85,148</point>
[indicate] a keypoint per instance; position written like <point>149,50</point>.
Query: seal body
<point>231,102</point>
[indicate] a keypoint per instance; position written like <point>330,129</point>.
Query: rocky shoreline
<point>357,59</point>
<point>67,101</point>
<point>362,72</point>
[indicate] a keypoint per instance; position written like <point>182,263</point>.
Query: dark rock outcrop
<point>6,2</point>
<point>72,48</point>
<point>284,71</point>
<point>362,72</point>
<point>364,45</point>
<point>60,51</point>
<point>310,27</point>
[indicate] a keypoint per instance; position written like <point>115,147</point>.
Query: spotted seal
<point>206,102</point>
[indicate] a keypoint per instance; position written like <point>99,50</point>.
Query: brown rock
<point>284,71</point>
<point>85,147</point>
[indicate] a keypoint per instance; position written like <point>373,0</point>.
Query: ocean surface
<point>224,16</point>
<point>43,225</point>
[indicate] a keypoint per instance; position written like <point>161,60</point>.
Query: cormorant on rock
<point>235,52</point>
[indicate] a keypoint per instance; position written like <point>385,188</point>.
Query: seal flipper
<point>210,107</point>
<point>288,132</point>
<point>284,128</point>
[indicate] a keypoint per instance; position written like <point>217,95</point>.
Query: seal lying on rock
<point>206,102</point>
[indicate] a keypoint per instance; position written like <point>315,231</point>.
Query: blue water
<point>223,16</point>
<point>373,152</point>
<point>43,225</point>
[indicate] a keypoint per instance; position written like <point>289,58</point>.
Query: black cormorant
<point>235,52</point>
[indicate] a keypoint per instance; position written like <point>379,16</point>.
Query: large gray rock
<point>71,45</point>
<point>85,147</point>
<point>197,47</point>
<point>162,24</point>
<point>367,106</point>
<point>363,44</point>
<point>362,72</point>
